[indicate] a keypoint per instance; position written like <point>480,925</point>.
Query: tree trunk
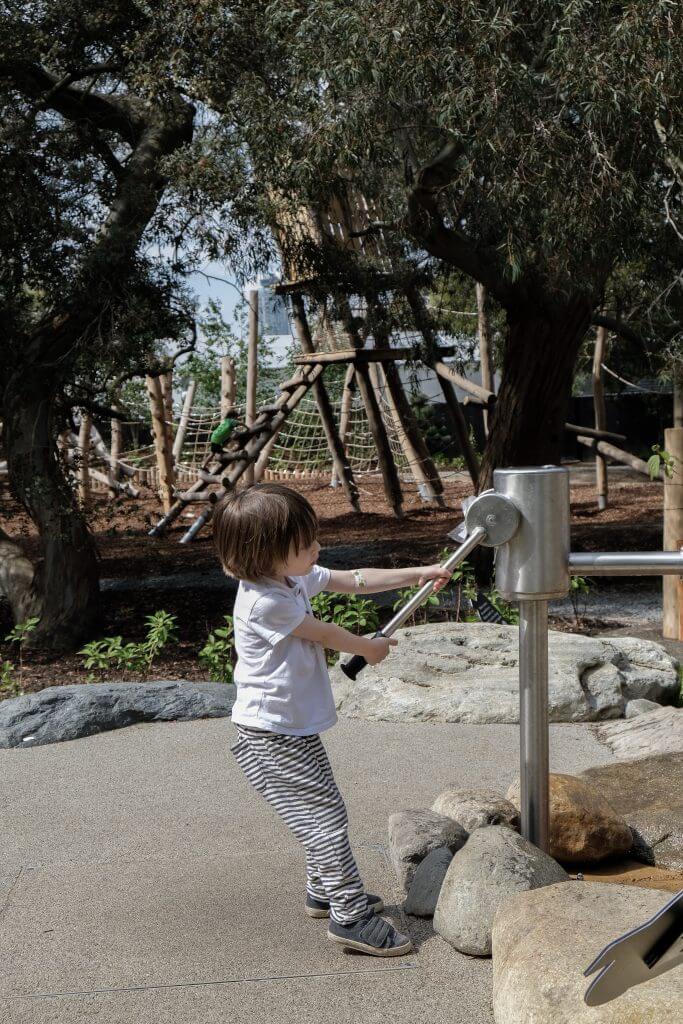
<point>65,589</point>
<point>538,367</point>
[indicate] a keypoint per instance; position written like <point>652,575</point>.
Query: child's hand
<point>378,648</point>
<point>434,572</point>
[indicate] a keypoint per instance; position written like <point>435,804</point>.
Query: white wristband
<point>358,577</point>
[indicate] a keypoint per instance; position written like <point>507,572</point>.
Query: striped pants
<point>295,777</point>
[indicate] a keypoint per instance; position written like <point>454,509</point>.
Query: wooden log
<point>363,355</point>
<point>345,413</point>
<point>482,395</point>
<point>390,478</point>
<point>228,385</point>
<point>417,455</point>
<point>84,489</point>
<point>455,413</point>
<point>253,449</point>
<point>162,444</point>
<point>184,420</point>
<point>600,414</point>
<point>252,364</point>
<point>673,535</point>
<point>610,451</point>
<point>340,463</point>
<point>485,353</point>
<point>601,435</point>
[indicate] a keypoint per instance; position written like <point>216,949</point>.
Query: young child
<point>266,537</point>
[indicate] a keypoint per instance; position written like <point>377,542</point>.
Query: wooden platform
<point>364,355</point>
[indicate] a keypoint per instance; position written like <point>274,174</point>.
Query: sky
<point>228,296</point>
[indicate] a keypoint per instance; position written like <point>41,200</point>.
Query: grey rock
<point>468,672</point>
<point>659,732</point>
<point>648,793</point>
<point>640,706</point>
<point>60,713</point>
<point>415,833</point>
<point>427,881</point>
<point>476,808</point>
<point>544,940</point>
<point>494,865</point>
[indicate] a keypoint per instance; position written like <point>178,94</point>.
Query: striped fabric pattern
<point>294,775</point>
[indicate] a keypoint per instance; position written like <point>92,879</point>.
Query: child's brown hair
<point>255,528</point>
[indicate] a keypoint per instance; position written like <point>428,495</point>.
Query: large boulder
<point>468,672</point>
<point>648,792</point>
<point>583,826</point>
<point>544,940</point>
<point>415,833</point>
<point>475,808</point>
<point>494,865</point>
<point>68,712</point>
<point>658,732</point>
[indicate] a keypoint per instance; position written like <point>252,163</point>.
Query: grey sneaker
<point>373,935</point>
<point>321,908</point>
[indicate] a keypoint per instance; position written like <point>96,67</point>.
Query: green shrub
<point>11,686</point>
<point>112,653</point>
<point>350,611</point>
<point>217,652</point>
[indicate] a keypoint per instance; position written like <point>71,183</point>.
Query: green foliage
<point>660,460</point>
<point>221,339</point>
<point>579,588</point>
<point>350,611</point>
<point>113,653</point>
<point>217,652</point>
<point>11,686</point>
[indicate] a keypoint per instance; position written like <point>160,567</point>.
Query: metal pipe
<point>626,563</point>
<point>357,663</point>
<point>459,555</point>
<point>533,722</point>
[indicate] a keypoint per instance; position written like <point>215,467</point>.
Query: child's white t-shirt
<point>282,682</point>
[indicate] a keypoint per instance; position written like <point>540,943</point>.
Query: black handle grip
<point>354,666</point>
<point>357,663</point>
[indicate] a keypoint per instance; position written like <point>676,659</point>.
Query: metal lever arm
<point>352,667</point>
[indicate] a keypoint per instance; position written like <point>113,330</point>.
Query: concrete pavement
<point>142,878</point>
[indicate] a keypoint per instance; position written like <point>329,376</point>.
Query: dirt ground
<point>126,552</point>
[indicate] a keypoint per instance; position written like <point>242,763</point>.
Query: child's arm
<point>373,649</point>
<point>376,580</point>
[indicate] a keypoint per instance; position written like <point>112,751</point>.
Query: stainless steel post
<point>531,568</point>
<point>533,721</point>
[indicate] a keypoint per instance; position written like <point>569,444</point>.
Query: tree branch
<point>125,115</point>
<point>624,331</point>
<point>427,225</point>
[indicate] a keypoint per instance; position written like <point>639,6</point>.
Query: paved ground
<point>142,878</point>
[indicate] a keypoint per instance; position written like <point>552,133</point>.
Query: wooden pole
<point>340,463</point>
<point>252,364</point>
<point>227,385</point>
<point>161,442</point>
<point>600,413</point>
<point>672,586</point>
<point>392,484</point>
<point>456,415</point>
<point>84,488</point>
<point>417,456</point>
<point>115,450</point>
<point>184,420</point>
<point>345,413</point>
<point>485,354</point>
